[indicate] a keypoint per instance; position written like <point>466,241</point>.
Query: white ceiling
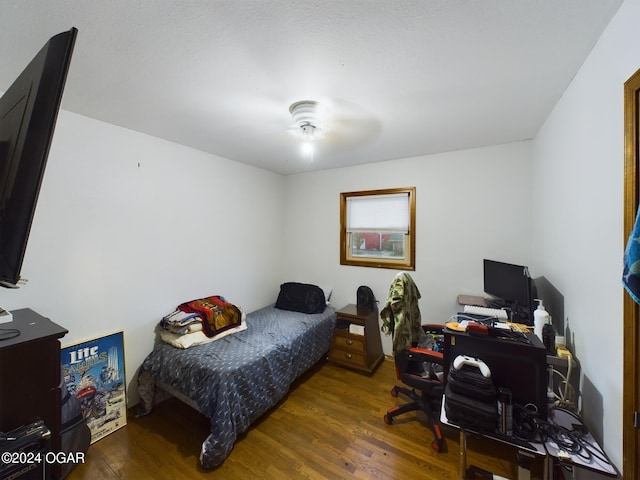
<point>400,78</point>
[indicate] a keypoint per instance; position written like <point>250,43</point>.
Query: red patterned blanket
<point>217,314</point>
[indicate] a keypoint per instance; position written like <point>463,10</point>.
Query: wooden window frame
<point>407,263</point>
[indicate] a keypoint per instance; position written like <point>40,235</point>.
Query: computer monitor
<point>513,288</point>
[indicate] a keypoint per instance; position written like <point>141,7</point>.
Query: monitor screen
<point>28,113</point>
<point>512,285</point>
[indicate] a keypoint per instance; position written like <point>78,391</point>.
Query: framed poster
<point>93,371</point>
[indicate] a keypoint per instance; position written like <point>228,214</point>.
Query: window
<point>377,228</point>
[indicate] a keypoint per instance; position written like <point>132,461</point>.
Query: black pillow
<point>301,297</point>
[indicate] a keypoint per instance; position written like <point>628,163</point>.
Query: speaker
<point>23,452</point>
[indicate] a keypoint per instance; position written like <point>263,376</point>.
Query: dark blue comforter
<point>236,379</point>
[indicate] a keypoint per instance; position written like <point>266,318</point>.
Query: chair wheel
<point>394,392</point>
<point>388,420</point>
<point>437,445</point>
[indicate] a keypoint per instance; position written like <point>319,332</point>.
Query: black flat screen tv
<point>28,114</point>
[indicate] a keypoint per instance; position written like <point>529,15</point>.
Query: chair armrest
<point>429,355</point>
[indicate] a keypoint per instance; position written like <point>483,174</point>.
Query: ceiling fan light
<point>308,151</point>
<point>308,132</point>
<point>305,117</point>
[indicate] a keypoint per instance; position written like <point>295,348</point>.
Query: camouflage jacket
<point>401,315</point>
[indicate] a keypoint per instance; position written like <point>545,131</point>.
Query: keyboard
<point>486,311</point>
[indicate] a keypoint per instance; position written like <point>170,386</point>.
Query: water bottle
<point>540,316</point>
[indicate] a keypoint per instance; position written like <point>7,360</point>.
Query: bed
<point>236,379</point>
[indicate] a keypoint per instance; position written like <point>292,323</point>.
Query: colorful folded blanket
<point>181,323</point>
<point>216,313</point>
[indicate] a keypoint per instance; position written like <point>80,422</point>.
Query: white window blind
<point>378,213</point>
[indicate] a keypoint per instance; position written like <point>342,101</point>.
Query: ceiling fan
<point>330,123</point>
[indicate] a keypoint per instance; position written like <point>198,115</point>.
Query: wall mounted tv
<point>28,114</point>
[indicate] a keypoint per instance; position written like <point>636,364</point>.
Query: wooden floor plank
<point>329,426</point>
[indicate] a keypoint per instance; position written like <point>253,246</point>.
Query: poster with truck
<point>93,371</point>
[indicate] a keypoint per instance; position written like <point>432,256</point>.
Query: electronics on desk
<point>496,326</point>
<point>517,362</point>
<point>486,311</point>
<point>472,300</point>
<point>512,287</point>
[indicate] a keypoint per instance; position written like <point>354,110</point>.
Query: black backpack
<point>470,399</point>
<point>301,297</point>
<point>366,299</point>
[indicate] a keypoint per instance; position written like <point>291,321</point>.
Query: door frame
<point>631,310</point>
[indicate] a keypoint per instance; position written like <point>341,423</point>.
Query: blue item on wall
<point>631,273</point>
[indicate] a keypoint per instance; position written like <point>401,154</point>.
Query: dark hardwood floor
<point>330,426</point>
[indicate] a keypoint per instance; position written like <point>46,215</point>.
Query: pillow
<point>301,297</point>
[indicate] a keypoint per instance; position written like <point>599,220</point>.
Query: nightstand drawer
<point>349,342</point>
<point>348,357</point>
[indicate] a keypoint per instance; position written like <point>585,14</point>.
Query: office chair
<point>415,369</point>
<point>418,365</point>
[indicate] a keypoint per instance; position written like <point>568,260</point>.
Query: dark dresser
<point>30,373</point>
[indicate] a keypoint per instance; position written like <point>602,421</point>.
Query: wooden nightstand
<point>363,351</point>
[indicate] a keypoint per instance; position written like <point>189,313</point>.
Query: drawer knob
<point>348,356</point>
<point>349,341</point>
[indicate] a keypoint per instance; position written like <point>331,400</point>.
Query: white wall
<point>470,205</point>
<point>577,212</point>
<point>128,226</point>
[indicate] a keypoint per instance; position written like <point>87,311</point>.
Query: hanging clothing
<point>401,315</point>
<point>631,271</point>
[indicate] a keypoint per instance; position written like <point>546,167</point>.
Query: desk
<point>520,367</point>
<point>589,457</point>
<point>523,369</point>
<point>526,450</point>
<point>587,454</point>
